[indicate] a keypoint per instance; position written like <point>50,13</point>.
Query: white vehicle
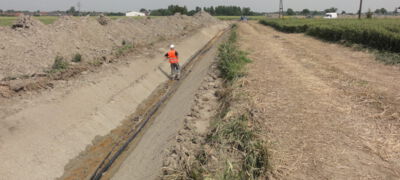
<point>133,14</point>
<point>331,16</point>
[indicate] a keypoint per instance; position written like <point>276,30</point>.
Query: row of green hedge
<point>381,34</point>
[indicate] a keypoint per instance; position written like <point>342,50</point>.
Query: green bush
<point>123,50</point>
<point>77,58</point>
<point>59,64</point>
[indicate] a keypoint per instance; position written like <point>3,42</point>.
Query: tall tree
<point>331,10</point>
<point>314,13</point>
<point>143,10</point>
<point>71,11</point>
<point>246,11</point>
<point>198,9</point>
<point>290,12</point>
<point>305,12</point>
<point>383,11</point>
<point>212,10</point>
<point>177,9</point>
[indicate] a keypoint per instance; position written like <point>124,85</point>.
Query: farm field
<point>328,112</point>
<point>381,34</point>
<point>238,17</point>
<point>8,21</point>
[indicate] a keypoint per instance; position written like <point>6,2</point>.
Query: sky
<point>255,5</point>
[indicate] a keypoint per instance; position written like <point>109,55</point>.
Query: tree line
<point>308,12</point>
<point>215,11</point>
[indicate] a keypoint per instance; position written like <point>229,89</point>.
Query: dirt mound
<point>45,131</point>
<point>26,22</point>
<point>103,20</point>
<point>31,50</point>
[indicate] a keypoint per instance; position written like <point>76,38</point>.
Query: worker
<point>173,57</point>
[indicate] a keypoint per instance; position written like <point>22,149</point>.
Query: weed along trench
<point>220,139</point>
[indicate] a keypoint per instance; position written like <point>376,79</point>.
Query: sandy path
<point>329,112</point>
<point>145,160</point>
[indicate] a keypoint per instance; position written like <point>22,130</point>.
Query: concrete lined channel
<point>143,156</point>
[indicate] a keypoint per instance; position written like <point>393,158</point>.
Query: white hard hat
<point>172,46</point>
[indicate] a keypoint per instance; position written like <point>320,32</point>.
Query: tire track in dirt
<point>329,112</point>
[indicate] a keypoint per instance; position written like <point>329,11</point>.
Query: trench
<point>113,164</point>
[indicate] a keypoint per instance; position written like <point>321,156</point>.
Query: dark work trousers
<point>175,70</point>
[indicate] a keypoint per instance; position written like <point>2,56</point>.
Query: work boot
<point>177,77</point>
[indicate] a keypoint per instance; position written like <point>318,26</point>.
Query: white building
<point>133,13</point>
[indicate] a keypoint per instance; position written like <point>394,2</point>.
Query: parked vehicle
<point>331,16</point>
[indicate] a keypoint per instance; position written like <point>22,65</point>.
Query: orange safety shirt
<point>172,57</point>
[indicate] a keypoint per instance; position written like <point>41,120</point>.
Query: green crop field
<point>381,34</point>
<point>238,17</point>
<point>8,21</point>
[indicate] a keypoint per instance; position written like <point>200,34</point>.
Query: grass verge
<point>231,59</point>
<point>233,132</point>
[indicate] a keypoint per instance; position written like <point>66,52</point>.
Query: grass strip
<point>241,148</point>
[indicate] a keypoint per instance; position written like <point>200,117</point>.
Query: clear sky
<point>257,5</point>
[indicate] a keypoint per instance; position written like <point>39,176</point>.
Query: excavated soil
<point>32,48</point>
<point>77,121</point>
<point>329,112</point>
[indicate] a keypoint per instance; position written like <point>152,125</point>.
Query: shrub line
<point>380,36</point>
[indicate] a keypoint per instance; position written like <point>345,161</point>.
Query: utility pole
<point>79,8</point>
<point>359,12</point>
<point>281,9</point>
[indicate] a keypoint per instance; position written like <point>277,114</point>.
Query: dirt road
<point>329,112</point>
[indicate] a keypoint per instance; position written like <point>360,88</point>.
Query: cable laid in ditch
<point>108,162</point>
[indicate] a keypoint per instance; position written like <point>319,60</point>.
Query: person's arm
<point>176,53</point>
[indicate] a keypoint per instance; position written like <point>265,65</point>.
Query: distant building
<point>133,13</point>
